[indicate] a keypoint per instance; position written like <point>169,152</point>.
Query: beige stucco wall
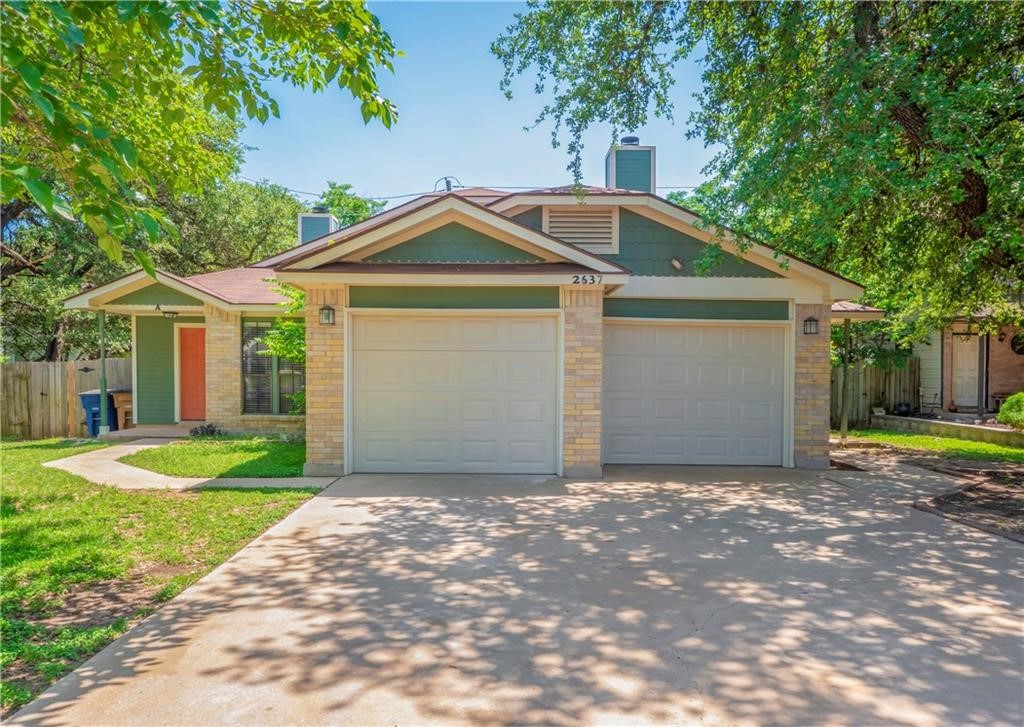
<point>325,376</point>
<point>812,389</point>
<point>581,413</point>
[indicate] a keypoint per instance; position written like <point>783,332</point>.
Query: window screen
<point>268,383</point>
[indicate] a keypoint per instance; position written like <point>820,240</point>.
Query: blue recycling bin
<point>91,404</point>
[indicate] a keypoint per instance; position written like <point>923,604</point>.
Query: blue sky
<point>453,119</point>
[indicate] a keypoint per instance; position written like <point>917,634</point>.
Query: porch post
<point>104,414</point>
<point>844,405</point>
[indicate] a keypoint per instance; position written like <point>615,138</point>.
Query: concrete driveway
<point>679,596</point>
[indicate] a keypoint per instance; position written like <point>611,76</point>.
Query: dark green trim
<point>740,310</point>
<point>438,297</point>
<point>154,366</point>
<point>453,243</point>
<point>156,294</point>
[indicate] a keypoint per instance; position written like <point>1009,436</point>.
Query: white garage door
<point>693,394</point>
<point>454,393</point>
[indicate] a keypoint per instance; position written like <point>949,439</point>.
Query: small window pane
<point>257,369</point>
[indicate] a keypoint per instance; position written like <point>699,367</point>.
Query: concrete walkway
<point>659,595</point>
<point>888,474</point>
<point>101,466</point>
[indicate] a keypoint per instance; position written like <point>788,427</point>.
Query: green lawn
<point>945,446</point>
<point>67,543</point>
<point>223,457</point>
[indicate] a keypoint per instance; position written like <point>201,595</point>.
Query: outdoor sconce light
<point>169,314</point>
<point>811,326</point>
<point>326,315</point>
<point>677,264</point>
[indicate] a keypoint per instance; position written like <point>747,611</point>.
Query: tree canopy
<point>347,207</point>
<point>109,108</point>
<point>885,141</point>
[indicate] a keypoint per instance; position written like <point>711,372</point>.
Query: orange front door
<point>192,373</point>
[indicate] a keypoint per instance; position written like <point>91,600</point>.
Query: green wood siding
<point>156,294</point>
<point>753,310</point>
<point>453,243</point>
<point>633,169</point>
<point>647,247</point>
<point>313,227</point>
<point>154,354</point>
<point>531,218</point>
<point>440,297</point>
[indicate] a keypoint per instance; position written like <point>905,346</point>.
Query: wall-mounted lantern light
<point>326,315</point>
<point>811,326</point>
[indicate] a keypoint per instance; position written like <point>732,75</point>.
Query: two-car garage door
<point>693,394</point>
<point>459,393</point>
<point>479,393</point>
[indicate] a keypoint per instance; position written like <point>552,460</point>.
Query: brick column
<point>813,388</point>
<point>325,383</point>
<point>223,366</point>
<point>581,414</point>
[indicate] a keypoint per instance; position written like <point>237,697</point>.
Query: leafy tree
<point>109,107</point>
<point>47,258</point>
<point>885,141</point>
<point>348,208</point>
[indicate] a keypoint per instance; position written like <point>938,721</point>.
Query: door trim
<point>788,440</point>
<point>177,366</point>
<point>350,313</point>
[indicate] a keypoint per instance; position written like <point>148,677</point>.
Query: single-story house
<point>545,331</point>
<point>965,370</point>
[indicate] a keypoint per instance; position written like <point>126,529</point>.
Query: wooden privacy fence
<point>39,399</point>
<point>871,386</point>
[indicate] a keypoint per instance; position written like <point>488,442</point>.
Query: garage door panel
<point>681,394</point>
<point>460,394</point>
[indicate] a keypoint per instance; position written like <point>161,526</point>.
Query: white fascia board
<point>459,207</point>
<point>343,233</point>
<point>689,223</point>
<point>712,288</point>
<point>304,279</point>
<point>839,288</point>
<point>96,298</point>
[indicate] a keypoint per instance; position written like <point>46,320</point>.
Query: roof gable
<point>156,294</point>
<point>371,240</point>
<point>453,243</point>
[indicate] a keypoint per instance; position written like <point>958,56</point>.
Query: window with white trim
<point>595,229</point>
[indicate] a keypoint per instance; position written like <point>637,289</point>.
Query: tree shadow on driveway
<point>659,595</point>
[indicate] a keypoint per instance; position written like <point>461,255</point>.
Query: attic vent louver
<point>595,229</point>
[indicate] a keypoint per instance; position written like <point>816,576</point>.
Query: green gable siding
<point>440,297</point>
<point>453,243</point>
<point>531,218</point>
<point>154,355</point>
<point>633,169</point>
<point>647,247</point>
<point>156,294</point>
<point>740,310</point>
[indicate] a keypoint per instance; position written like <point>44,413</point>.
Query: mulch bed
<point>991,497</point>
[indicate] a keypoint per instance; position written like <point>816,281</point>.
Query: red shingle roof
<point>239,285</point>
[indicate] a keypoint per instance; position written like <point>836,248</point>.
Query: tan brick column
<point>325,383</point>
<point>581,413</point>
<point>813,389</point>
<point>223,366</point>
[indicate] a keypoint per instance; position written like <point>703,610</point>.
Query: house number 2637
<point>586,279</point>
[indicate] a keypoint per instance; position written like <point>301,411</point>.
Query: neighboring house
<point>485,331</point>
<point>961,368</point>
